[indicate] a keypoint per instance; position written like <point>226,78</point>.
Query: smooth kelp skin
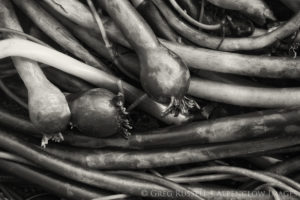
<point>154,78</point>
<point>155,52</point>
<point>164,76</point>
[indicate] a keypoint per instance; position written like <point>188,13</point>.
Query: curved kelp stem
<point>191,20</point>
<point>227,44</point>
<point>48,108</point>
<point>17,47</point>
<point>59,186</point>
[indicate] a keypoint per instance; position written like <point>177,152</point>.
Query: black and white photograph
<point>149,99</point>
